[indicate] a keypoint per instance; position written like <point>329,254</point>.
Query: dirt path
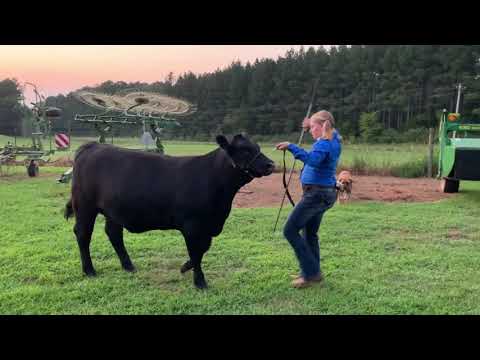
<point>268,191</point>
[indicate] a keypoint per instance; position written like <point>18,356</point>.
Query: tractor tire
<point>449,186</point>
<point>33,170</point>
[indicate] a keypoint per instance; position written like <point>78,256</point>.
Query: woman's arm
<point>313,158</point>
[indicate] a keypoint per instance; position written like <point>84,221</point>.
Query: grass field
<point>406,160</point>
<point>378,258</point>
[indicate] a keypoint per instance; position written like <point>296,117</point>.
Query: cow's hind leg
<point>187,266</point>
<point>85,222</point>
<point>197,247</point>
<point>115,234</point>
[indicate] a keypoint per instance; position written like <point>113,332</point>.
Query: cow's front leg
<point>199,278</point>
<point>197,247</point>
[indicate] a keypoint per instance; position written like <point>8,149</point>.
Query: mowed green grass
<point>378,258</point>
<point>374,159</point>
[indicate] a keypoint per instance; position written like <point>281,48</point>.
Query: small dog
<point>344,185</point>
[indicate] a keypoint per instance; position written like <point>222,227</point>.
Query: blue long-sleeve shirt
<point>321,162</point>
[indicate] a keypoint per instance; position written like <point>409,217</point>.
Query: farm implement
<point>459,157</point>
<point>136,109</point>
<point>41,119</point>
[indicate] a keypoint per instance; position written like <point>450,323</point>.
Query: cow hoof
<point>130,268</point>
<point>203,286</point>
<point>91,273</point>
<point>187,266</point>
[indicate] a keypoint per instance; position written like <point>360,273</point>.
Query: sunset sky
<point>63,68</point>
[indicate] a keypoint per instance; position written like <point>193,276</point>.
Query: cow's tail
<point>68,210</point>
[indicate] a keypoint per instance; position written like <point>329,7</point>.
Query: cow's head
<point>246,155</point>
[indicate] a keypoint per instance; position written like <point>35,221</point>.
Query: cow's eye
<point>246,152</point>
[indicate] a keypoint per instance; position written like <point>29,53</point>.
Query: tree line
<point>376,92</point>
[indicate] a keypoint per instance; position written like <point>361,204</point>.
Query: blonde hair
<point>325,116</point>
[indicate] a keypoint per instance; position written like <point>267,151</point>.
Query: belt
<point>307,187</point>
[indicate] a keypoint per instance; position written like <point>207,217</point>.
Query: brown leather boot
<point>316,278</point>
<point>301,282</point>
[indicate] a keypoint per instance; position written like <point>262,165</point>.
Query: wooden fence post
<point>430,152</point>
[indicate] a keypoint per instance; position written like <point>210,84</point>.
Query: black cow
<point>142,191</point>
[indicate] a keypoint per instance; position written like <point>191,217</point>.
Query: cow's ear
<point>222,141</point>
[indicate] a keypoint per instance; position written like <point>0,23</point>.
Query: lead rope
<point>285,184</point>
<point>287,193</point>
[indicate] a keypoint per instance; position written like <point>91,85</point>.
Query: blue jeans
<point>307,215</point>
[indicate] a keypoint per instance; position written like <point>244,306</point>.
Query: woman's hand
<point>306,123</point>
<point>282,145</point>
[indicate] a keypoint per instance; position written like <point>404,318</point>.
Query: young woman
<point>319,194</point>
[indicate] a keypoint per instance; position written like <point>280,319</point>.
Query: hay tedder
<point>459,157</point>
<point>146,110</point>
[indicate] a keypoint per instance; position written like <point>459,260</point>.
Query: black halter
<point>246,169</point>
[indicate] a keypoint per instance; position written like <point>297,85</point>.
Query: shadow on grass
<point>470,190</point>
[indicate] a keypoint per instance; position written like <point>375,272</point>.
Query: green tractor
<point>459,157</point>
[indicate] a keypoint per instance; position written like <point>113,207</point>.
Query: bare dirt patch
<point>454,234</point>
<point>60,162</point>
<point>15,177</point>
<point>268,191</point>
